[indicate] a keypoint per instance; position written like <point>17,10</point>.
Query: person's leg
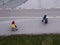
<point>46,20</point>
<point>42,20</point>
<point>12,29</point>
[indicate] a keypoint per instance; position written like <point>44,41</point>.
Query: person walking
<point>13,25</point>
<point>45,19</point>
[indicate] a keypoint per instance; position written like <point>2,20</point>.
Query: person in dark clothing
<point>44,18</point>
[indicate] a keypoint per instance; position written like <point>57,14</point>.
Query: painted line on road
<point>31,17</point>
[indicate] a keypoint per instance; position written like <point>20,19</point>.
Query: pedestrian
<point>13,25</point>
<point>44,18</point>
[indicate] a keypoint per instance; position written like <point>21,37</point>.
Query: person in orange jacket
<point>13,26</point>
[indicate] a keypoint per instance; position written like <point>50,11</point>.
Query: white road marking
<point>32,17</point>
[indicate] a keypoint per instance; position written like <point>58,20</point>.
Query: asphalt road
<point>28,25</point>
<point>29,12</point>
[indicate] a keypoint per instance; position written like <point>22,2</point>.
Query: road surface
<point>30,23</point>
<point>30,26</point>
<point>29,12</point>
